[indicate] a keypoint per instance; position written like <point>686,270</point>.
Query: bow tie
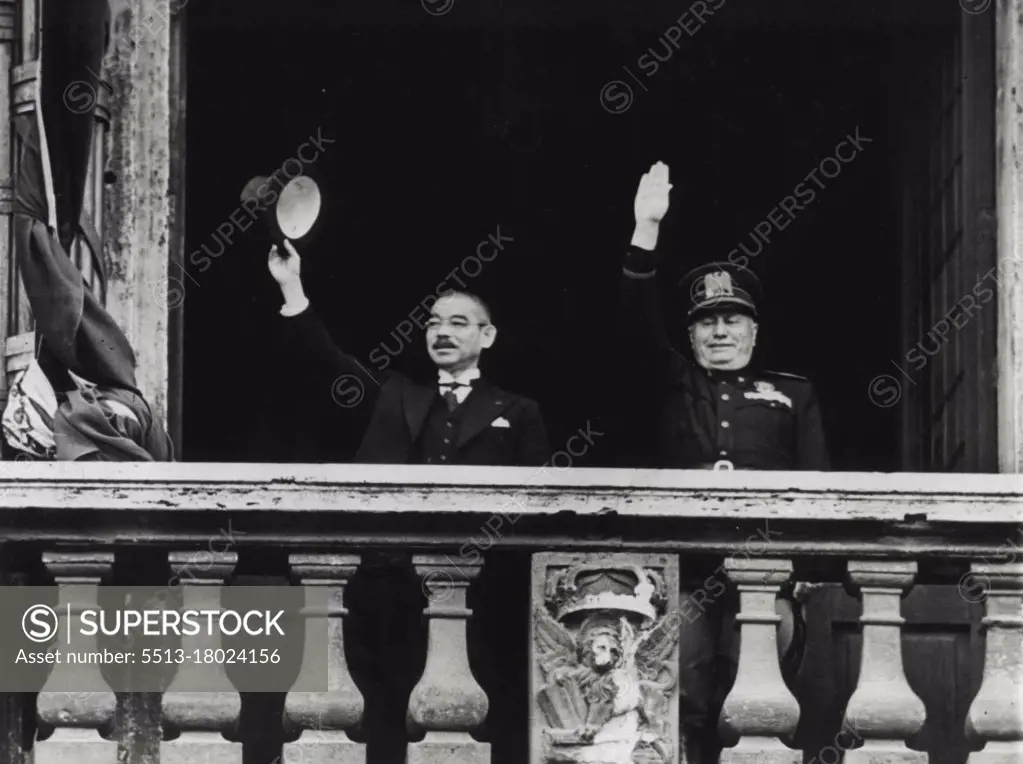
<point>453,385</point>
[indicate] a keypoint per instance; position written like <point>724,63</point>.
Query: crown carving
<point>582,589</point>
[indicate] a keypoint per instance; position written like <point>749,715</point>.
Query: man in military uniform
<point>724,411</point>
<point>715,409</point>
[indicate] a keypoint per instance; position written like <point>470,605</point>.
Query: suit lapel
<point>482,407</point>
<point>416,400</point>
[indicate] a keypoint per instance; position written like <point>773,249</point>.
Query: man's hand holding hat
<point>287,272</point>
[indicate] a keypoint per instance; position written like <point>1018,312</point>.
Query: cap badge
<point>718,284</point>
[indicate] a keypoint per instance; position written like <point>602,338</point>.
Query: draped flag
<point>101,414</point>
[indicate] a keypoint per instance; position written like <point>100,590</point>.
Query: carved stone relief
<point>605,631</point>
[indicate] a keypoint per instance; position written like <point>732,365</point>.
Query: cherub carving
<point>608,690</point>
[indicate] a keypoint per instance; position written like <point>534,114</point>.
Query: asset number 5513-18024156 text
<point>210,655</point>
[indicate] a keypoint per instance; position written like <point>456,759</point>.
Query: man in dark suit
<point>714,409</point>
<point>461,419</point>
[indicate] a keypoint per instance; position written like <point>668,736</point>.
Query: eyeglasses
<point>457,322</point>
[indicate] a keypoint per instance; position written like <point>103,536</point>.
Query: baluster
<point>201,717</point>
<point>996,715</point>
<point>760,707</point>
<point>447,702</point>
<point>884,711</point>
<point>77,715</point>
<point>324,717</point>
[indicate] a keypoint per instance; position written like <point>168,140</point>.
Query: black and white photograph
<point>511,382</point>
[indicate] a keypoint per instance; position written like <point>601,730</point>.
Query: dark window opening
<point>447,129</point>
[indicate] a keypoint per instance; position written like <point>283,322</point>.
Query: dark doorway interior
<point>449,127</point>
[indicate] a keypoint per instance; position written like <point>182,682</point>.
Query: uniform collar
<point>731,376</point>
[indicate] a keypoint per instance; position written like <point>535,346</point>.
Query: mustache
<point>444,344</point>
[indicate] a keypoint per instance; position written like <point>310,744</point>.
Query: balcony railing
<point>879,536</point>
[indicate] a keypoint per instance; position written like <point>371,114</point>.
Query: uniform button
<point>450,425</point>
<point>742,379</point>
<point>443,458</point>
<point>447,440</point>
<point>724,396</point>
<point>725,425</point>
<point>723,453</point>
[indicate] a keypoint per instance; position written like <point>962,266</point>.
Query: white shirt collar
<point>466,377</point>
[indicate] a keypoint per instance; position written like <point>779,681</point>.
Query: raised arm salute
<point>640,315</point>
<point>460,418</point>
<point>719,406</point>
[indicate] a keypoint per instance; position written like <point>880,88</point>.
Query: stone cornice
<point>519,491</point>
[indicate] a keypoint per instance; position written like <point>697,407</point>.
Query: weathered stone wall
<point>138,207</point>
<point>1009,173</point>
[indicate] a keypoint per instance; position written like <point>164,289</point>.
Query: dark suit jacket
<point>400,406</point>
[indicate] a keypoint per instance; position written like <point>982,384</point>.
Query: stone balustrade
<point>598,618</point>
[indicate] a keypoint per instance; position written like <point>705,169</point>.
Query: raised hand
<point>651,206</point>
<point>285,270</point>
<point>651,203</point>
